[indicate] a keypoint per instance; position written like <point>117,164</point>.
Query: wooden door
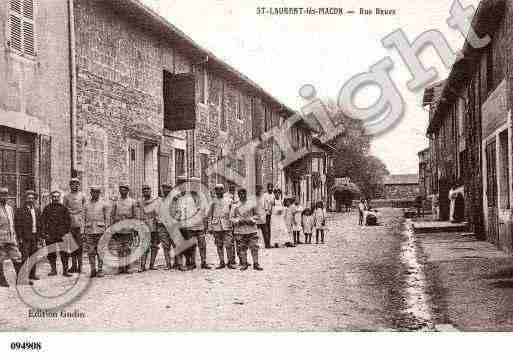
<point>491,192</point>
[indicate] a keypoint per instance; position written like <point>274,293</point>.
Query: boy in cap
<point>123,208</point>
<point>55,223</point>
<point>245,217</point>
<point>75,202</point>
<point>96,221</point>
<point>8,246</point>
<point>221,228</point>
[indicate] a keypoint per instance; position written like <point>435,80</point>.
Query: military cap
<point>95,189</point>
<point>124,185</point>
<point>166,185</point>
<point>30,192</point>
<point>4,190</point>
<point>219,186</point>
<point>55,191</point>
<point>74,180</point>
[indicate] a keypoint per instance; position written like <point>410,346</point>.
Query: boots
<point>100,274</point>
<point>21,279</point>
<point>167,257</point>
<point>74,264</point>
<point>80,259</point>
<point>243,260</point>
<point>92,264</point>
<point>143,259</point>
<point>53,265</point>
<point>65,272</point>
<point>3,281</point>
<point>153,256</point>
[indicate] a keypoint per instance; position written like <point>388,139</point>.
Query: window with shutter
<point>179,101</point>
<point>22,27</point>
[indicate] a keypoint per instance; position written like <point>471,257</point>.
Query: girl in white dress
<point>297,214</point>
<point>279,229</point>
<point>308,225</point>
<point>319,222</point>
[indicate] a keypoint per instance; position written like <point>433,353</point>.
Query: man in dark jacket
<point>55,223</point>
<point>27,227</point>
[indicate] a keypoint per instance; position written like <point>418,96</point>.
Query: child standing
<point>319,221</point>
<point>308,225</point>
<point>290,208</point>
<point>297,212</point>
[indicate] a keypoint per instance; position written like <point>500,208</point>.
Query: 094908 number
<point>26,346</point>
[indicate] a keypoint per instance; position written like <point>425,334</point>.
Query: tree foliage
<point>353,159</point>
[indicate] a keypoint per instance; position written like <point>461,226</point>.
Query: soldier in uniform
<point>149,209</point>
<point>8,246</point>
<point>245,217</point>
<point>193,226</point>
<point>96,221</point>
<point>220,226</point>
<point>55,223</point>
<point>123,208</point>
<point>163,235</point>
<point>75,202</point>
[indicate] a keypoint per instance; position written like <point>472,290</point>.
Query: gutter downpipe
<point>73,83</point>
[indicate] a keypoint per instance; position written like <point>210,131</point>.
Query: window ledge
<point>20,56</point>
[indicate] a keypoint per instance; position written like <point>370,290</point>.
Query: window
<point>179,101</point>
<point>239,107</point>
<point>21,27</point>
<point>203,169</point>
<point>267,118</point>
<point>201,83</point>
<point>164,168</point>
<point>179,163</point>
<point>503,170</point>
<point>222,121</point>
<point>95,155</point>
<point>489,69</point>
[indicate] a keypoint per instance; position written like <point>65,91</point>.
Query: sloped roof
<point>401,179</point>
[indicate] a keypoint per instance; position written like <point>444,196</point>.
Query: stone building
<point>306,173</point>
<point>35,100</point>
<point>404,186</point>
<point>152,105</point>
<point>470,126</point>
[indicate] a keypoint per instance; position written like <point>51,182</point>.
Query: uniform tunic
<point>75,203</point>
<point>96,220</point>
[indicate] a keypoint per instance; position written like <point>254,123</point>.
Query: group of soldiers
<point>230,218</point>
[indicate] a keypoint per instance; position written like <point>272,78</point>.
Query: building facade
<point>470,126</point>
<point>151,105</point>
<point>401,186</point>
<point>34,97</point>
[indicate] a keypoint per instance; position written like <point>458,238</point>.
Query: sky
<point>284,52</point>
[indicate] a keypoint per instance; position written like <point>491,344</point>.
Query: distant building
<point>403,186</point>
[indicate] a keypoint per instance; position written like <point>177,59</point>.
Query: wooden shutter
<point>179,101</point>
<point>22,26</point>
<point>45,167</point>
<point>164,168</point>
<point>15,32</point>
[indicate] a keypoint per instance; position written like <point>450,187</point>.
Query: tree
<point>352,156</point>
